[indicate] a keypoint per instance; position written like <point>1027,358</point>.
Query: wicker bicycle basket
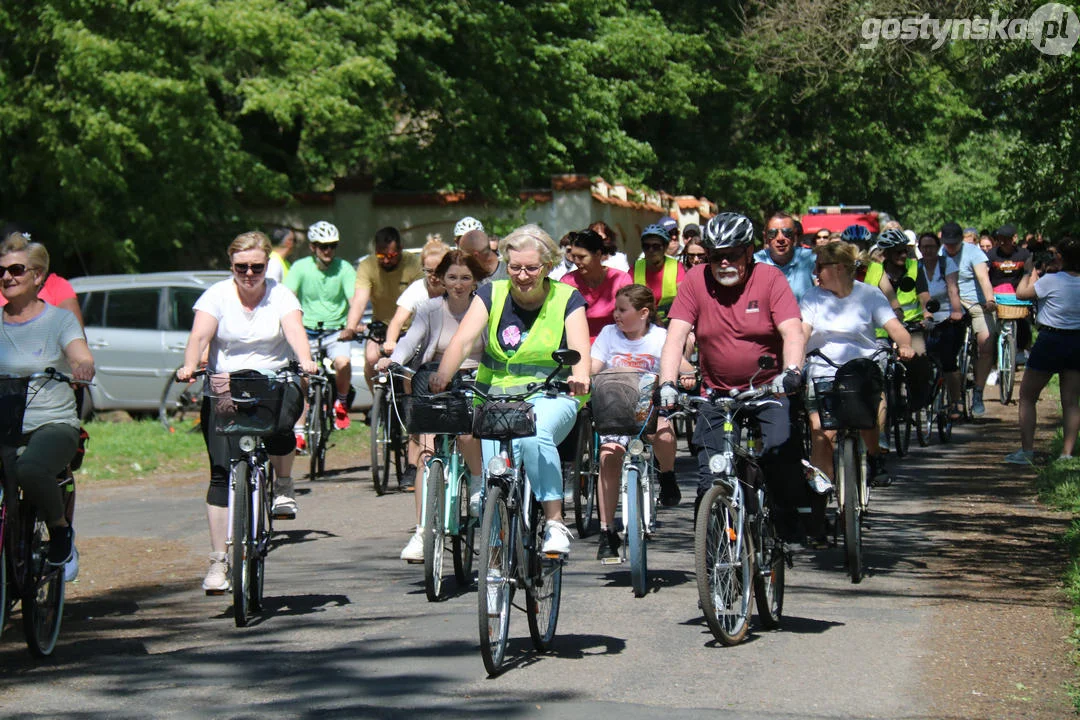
<point>246,403</point>
<point>499,420</point>
<point>1013,312</point>
<point>851,398</point>
<point>623,402</point>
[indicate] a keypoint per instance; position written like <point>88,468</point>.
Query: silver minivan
<point>137,327</point>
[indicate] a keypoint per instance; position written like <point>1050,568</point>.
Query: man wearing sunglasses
<point>740,311</point>
<point>657,271</point>
<point>323,284</point>
<point>782,250</point>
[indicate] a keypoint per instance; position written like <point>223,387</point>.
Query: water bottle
<point>818,480</point>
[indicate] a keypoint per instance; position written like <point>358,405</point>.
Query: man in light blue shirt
<point>782,251</point>
<point>977,297</point>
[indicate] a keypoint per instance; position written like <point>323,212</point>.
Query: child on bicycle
<point>634,342</point>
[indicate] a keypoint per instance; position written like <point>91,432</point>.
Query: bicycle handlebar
<point>823,356</point>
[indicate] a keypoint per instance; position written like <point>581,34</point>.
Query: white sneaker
<point>557,538</point>
<point>285,508</point>
<point>217,577</point>
<point>414,549</point>
<point>71,567</point>
<point>992,378</point>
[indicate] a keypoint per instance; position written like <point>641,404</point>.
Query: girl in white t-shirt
<point>633,342</point>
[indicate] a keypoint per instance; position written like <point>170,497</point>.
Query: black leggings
<point>48,451</point>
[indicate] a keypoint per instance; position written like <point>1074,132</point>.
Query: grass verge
<point>139,449</point>
<point>1058,484</point>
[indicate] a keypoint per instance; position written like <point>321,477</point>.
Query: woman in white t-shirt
<point>418,292</point>
<point>248,323</point>
<point>1056,350</point>
<point>634,342</point>
<point>839,318</point>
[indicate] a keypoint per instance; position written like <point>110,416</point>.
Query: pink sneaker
<point>341,416</point>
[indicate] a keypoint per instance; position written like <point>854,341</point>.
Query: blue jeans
<point>539,455</point>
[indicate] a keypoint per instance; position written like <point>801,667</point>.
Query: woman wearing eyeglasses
<point>694,253</point>
<point>35,336</point>
<point>596,282</point>
<point>248,323</point>
<point>522,321</point>
<point>839,317</point>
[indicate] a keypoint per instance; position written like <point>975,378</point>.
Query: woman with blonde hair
<point>248,323</point>
<point>418,292</point>
<point>522,321</point>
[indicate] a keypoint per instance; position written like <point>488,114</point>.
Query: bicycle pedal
<point>554,556</point>
<point>284,516</point>
<point>415,562</point>
<point>611,561</point>
<point>213,593</point>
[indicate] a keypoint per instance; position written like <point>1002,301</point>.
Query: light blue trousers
<point>555,418</point>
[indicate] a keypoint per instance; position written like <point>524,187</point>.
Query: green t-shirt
<point>324,296</point>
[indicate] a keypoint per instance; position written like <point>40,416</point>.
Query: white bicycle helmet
<point>728,230</point>
<point>322,232</point>
<point>466,224</point>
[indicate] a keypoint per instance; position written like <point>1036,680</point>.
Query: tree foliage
<point>133,135</point>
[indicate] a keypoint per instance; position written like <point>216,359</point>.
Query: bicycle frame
<point>639,457</point>
<point>447,452</point>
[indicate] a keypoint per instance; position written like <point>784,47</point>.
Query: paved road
<point>349,632</point>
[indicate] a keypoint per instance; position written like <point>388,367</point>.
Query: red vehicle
<point>835,218</point>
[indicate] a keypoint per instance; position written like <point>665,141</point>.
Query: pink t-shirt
<point>55,291</point>
<point>735,326</point>
<point>601,299</point>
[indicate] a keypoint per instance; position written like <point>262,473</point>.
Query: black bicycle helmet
<point>728,230</point>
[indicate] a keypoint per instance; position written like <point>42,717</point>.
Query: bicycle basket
<point>851,398</point>
<point>13,393</point>
<point>623,402</point>
<point>499,420</point>
<point>250,403</point>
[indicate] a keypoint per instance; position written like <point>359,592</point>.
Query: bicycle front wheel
<point>241,552</point>
<point>434,530</point>
<point>3,579</point>
<point>326,419</point>
<point>316,410</point>
<point>941,414</point>
<point>495,580</point>
<point>900,417</point>
<point>583,476</point>
<point>43,598</point>
<point>465,541</point>
<point>262,503</point>
<point>847,471</point>
<point>544,593</point>
<point>635,533</point>
<point>1007,364</point>
<point>967,373</point>
<point>380,440</point>
<point>180,401</point>
<point>723,566</point>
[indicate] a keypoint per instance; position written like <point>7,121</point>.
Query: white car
<point>137,327</point>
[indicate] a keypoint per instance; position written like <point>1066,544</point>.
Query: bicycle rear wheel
<point>464,542</point>
<point>941,414</point>
<point>1007,364</point>
<point>495,579</point>
<point>316,410</point>
<point>43,597</point>
<point>264,529</point>
<point>926,417</point>
<point>583,476</point>
<point>544,595</point>
<point>635,533</point>
<point>847,473</point>
<point>180,401</point>
<point>327,420</point>
<point>380,439</point>
<point>434,530</point>
<point>723,566</point>
<point>967,373</point>
<point>900,416</point>
<point>241,552</point>
<point>769,574</point>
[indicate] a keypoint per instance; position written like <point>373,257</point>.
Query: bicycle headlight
<point>720,464</point>
<point>247,443</point>
<point>636,447</point>
<point>496,467</point>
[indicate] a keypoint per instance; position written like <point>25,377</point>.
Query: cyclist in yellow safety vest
<point>656,271</point>
<point>903,280</point>
<point>522,321</point>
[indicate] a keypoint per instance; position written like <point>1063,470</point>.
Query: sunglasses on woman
<point>256,268</point>
<point>15,270</point>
